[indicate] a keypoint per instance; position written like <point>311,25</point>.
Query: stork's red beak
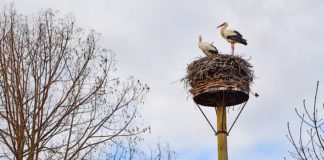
<point>221,25</point>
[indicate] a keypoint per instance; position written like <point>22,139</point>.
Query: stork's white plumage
<point>231,36</point>
<point>208,48</point>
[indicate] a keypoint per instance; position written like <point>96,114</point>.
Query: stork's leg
<point>232,45</point>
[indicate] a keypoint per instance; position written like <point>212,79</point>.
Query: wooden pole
<point>221,132</point>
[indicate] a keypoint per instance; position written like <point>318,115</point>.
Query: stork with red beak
<point>208,48</point>
<point>231,36</point>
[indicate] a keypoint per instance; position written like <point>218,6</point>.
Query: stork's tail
<point>243,41</point>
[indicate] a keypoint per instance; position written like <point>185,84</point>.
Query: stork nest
<point>219,70</point>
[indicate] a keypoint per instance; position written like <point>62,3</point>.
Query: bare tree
<point>309,144</point>
<point>59,95</point>
<point>162,152</point>
<point>130,149</point>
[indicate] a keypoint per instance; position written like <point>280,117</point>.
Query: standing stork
<point>231,36</point>
<point>208,48</point>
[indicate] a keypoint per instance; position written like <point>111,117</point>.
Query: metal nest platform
<point>221,96</point>
<point>220,80</point>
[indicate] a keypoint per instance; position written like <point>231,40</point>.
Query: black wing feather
<point>238,34</point>
<point>213,51</point>
<point>237,38</point>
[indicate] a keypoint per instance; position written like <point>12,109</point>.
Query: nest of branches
<point>221,70</point>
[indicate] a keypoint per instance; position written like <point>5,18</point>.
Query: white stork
<point>208,48</point>
<point>231,36</point>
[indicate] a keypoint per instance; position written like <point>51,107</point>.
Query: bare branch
<point>58,96</point>
<point>313,134</point>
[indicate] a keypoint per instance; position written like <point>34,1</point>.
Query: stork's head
<point>223,24</point>
<point>200,38</point>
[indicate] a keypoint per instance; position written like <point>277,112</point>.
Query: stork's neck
<point>222,30</point>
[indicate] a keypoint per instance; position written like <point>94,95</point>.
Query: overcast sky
<point>156,39</point>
